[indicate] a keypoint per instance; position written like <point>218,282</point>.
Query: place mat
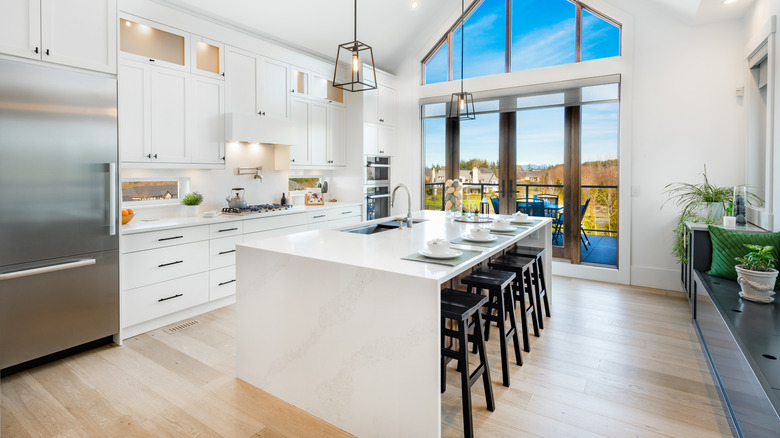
<point>498,241</point>
<point>530,223</point>
<point>473,220</point>
<point>467,254</point>
<point>519,230</point>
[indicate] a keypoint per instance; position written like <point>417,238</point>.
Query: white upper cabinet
<point>207,121</point>
<point>256,84</point>
<point>135,131</point>
<point>273,89</point>
<point>379,106</point>
<point>146,41</point>
<point>337,129</point>
<point>208,57</point>
<point>315,86</point>
<point>78,33</point>
<point>169,113</point>
<point>300,118</point>
<point>319,134</point>
<point>378,139</point>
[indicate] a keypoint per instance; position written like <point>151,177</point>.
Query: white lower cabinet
<point>222,282</point>
<point>222,251</point>
<point>159,299</point>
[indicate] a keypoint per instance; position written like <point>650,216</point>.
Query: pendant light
<point>462,104</point>
<point>354,56</point>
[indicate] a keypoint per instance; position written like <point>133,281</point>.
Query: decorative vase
<point>191,210</point>
<point>756,286</point>
<point>740,205</point>
<point>453,196</point>
<point>711,210</point>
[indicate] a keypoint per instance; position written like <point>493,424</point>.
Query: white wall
<point>679,108</point>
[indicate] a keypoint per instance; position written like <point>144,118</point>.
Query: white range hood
<point>252,128</point>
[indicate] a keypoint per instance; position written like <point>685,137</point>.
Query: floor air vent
<point>181,326</point>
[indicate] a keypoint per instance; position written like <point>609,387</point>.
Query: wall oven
<point>376,188</point>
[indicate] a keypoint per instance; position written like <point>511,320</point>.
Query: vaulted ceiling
<point>391,27</point>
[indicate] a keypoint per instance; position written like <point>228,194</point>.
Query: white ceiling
<point>391,27</point>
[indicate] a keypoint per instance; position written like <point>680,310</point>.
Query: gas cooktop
<point>260,208</point>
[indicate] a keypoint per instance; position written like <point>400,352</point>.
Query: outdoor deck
<point>602,250</point>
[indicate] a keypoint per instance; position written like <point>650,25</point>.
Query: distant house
<point>530,176</point>
<point>147,193</point>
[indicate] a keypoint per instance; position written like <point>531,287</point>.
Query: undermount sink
<point>374,228</point>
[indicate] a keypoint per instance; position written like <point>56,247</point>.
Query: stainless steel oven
<point>377,171</point>
<point>377,202</point>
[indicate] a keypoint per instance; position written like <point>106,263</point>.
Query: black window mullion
<point>578,34</point>
<point>508,38</point>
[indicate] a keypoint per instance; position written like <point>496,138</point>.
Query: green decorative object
<point>728,245</point>
<point>193,198</point>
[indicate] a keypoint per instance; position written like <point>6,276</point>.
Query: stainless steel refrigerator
<point>59,264</point>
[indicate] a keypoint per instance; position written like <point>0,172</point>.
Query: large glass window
<point>435,164</point>
<point>543,33</point>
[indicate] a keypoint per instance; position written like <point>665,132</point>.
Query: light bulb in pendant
<point>462,104</point>
<point>355,63</point>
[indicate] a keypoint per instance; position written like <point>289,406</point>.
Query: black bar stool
<point>540,284</point>
<point>460,307</point>
<point>501,300</point>
<point>521,266</point>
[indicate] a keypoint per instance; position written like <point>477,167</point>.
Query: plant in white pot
<point>756,274</point>
<point>192,202</point>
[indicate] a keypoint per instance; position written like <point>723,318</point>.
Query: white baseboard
<point>146,326</point>
<point>667,279</point>
<point>588,272</point>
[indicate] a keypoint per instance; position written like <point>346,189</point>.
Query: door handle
<point>227,282</point>
<point>169,298</point>
<point>47,269</point>
<point>112,199</point>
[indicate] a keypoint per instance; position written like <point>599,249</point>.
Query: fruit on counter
<point>127,211</point>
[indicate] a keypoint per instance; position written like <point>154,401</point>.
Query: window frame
<point>448,36</point>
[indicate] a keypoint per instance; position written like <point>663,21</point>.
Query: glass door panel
<point>150,42</point>
<point>599,183</point>
<point>479,170</point>
<point>435,161</point>
<point>540,165</point>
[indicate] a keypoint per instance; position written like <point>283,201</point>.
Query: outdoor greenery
<point>760,259</point>
<point>193,198</point>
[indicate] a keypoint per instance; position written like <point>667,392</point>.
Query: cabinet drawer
<point>273,233</point>
<point>318,225</point>
<point>222,252</point>
<point>343,222</point>
<point>273,222</point>
<point>342,212</point>
<point>222,282</point>
<point>235,228</point>
<point>161,239</point>
<point>318,216</point>
<point>149,302</point>
<point>156,265</point>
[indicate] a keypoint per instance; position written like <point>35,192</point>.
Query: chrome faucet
<point>409,197</point>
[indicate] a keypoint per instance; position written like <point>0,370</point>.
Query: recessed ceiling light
<point>726,2</point>
<point>415,4</point>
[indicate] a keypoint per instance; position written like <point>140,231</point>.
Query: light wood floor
<point>613,361</point>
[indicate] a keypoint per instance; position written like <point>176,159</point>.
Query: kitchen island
<point>339,325</point>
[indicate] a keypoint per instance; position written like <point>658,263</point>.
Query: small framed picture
<point>314,197</point>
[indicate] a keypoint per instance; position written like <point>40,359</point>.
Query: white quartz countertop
<point>138,225</point>
<point>385,250</point>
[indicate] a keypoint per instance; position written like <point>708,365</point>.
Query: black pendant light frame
<point>462,104</point>
<point>354,52</point>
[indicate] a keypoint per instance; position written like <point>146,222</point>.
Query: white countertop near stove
<point>138,225</point>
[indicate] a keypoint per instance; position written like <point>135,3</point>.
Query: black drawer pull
<point>317,217</point>
<point>346,212</point>
<point>171,263</point>
<point>227,282</point>
<point>227,252</point>
<point>169,238</point>
<point>169,298</point>
<point>227,229</point>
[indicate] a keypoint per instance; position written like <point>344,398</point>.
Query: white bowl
<point>480,232</point>
<point>438,246</point>
<point>501,224</point>
<point>520,216</point>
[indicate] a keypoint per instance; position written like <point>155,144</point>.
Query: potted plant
<point>191,202</point>
<point>756,274</point>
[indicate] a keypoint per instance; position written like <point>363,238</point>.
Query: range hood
<point>253,128</point>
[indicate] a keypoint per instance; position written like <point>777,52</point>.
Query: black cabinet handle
<point>317,217</point>
<point>149,156</point>
<point>223,74</point>
<point>227,229</point>
<point>169,238</point>
<point>171,263</point>
<point>346,212</point>
<point>169,298</point>
<point>227,282</point>
<point>382,120</point>
<point>151,60</point>
<point>47,52</point>
<point>36,50</point>
<point>223,158</point>
<point>155,156</point>
<point>293,160</point>
<point>227,252</point>
<point>262,113</point>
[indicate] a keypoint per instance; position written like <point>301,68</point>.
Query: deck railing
<point>603,200</point>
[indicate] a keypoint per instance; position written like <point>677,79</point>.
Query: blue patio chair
<point>494,201</point>
<point>558,226</point>
<point>531,207</point>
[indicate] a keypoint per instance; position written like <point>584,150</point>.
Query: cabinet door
<point>337,127</point>
<point>208,57</point>
<point>386,143</point>
<point>207,121</point>
<point>169,115</point>
<point>134,111</point>
<point>273,89</point>
<point>370,139</point>
<point>319,134</point>
<point>386,107</point>
<point>20,28</point>
<point>299,116</point>
<point>240,82</point>
<point>371,106</point>
<point>80,33</point>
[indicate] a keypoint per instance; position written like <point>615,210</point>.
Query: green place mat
<point>467,254</point>
<point>531,223</point>
<point>520,229</point>
<point>462,241</point>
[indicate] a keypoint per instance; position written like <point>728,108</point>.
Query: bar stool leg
<point>520,297</point>
<point>480,342</point>
<point>463,364</point>
<point>532,305</point>
<point>542,282</point>
<point>509,306</point>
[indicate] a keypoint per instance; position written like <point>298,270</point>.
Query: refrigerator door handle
<point>47,269</point>
<point>112,199</point>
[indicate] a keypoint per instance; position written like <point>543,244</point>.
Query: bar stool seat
<point>461,307</point>
<point>521,266</point>
<point>500,301</point>
<point>537,275</point>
